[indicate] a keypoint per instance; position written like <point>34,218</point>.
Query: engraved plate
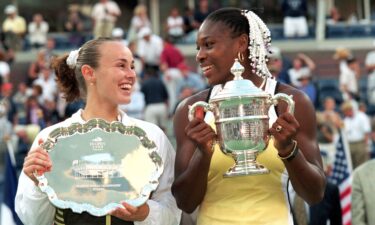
<point>97,165</point>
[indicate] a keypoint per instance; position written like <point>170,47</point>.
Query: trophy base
<point>253,169</point>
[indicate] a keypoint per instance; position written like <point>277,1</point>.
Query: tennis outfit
<point>243,200</point>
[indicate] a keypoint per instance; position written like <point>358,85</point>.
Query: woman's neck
<point>108,114</point>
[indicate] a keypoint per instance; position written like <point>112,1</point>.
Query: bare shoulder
<point>301,100</point>
<point>183,106</point>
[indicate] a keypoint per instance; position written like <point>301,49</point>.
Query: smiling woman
<point>102,73</point>
<point>228,35</point>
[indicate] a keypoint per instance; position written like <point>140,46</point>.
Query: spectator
<point>38,30</point>
<point>278,65</point>
<point>175,25</point>
<point>308,87</point>
<point>295,22</point>
<point>363,202</point>
<point>190,80</point>
<point>7,101</point>
<point>14,28</point>
<point>105,14</point>
<point>357,129</point>
<point>139,20</point>
<point>74,25</point>
<point>136,107</point>
<point>149,49</point>
<point>35,112</point>
<point>370,67</point>
<point>20,99</point>
<point>334,16</point>
<point>302,66</point>
<point>118,34</point>
<point>36,67</point>
<point>46,79</point>
<point>6,131</point>
<point>201,13</point>
<point>156,99</point>
<point>188,18</point>
<point>349,80</point>
<point>4,68</point>
<point>170,56</point>
<point>50,50</point>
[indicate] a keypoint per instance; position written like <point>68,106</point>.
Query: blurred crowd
<point>165,76</point>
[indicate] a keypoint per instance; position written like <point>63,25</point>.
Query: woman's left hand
<point>131,213</point>
<point>284,131</point>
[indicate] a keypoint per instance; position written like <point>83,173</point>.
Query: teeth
<point>126,86</point>
<point>206,68</point>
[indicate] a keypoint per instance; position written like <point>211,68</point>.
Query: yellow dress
<point>246,200</point>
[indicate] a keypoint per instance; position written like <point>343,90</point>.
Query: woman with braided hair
<point>292,154</point>
<point>102,73</point>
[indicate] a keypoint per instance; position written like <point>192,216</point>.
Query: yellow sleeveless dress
<point>246,200</point>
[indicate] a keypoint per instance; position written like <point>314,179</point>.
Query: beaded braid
<point>259,44</point>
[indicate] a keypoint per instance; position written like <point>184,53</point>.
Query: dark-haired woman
<point>292,155</point>
<point>101,72</point>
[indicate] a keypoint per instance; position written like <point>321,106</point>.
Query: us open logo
<point>97,144</point>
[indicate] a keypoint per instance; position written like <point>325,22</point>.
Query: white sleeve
<point>31,204</point>
<point>163,207</point>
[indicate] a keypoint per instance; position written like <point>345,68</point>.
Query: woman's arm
<point>31,204</point>
<point>193,156</point>
<point>305,169</point>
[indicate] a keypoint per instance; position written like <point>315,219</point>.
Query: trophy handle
<point>192,108</point>
<point>287,98</point>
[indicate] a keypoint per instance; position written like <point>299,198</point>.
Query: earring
<point>240,57</point>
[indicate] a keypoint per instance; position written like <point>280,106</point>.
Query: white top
<point>175,26</point>
<point>357,127</point>
<point>294,75</point>
<point>34,208</point>
<point>370,58</point>
<point>38,34</point>
<point>4,69</point>
<point>104,11</point>
<point>49,87</point>
<point>150,50</point>
<point>347,78</point>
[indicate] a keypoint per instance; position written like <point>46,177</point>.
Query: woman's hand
<point>131,213</point>
<point>284,131</point>
<point>37,161</point>
<point>201,133</point>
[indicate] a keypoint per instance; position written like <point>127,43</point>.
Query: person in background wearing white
<point>149,49</point>
<point>38,30</point>
<point>105,14</point>
<point>370,67</point>
<point>357,130</point>
<point>302,65</point>
<point>175,25</point>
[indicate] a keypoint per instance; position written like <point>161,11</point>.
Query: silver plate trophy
<point>241,118</point>
<point>97,165</point>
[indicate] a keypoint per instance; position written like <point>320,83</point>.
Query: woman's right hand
<point>202,134</point>
<point>37,161</point>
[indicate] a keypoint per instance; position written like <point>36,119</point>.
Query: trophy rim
<point>113,127</point>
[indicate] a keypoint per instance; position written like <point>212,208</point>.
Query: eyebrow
<point>124,60</point>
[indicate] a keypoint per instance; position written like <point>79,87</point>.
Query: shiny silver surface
<point>97,165</point>
<point>241,118</point>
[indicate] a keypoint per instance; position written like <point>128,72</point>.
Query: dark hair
<point>71,81</point>
<point>232,18</point>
